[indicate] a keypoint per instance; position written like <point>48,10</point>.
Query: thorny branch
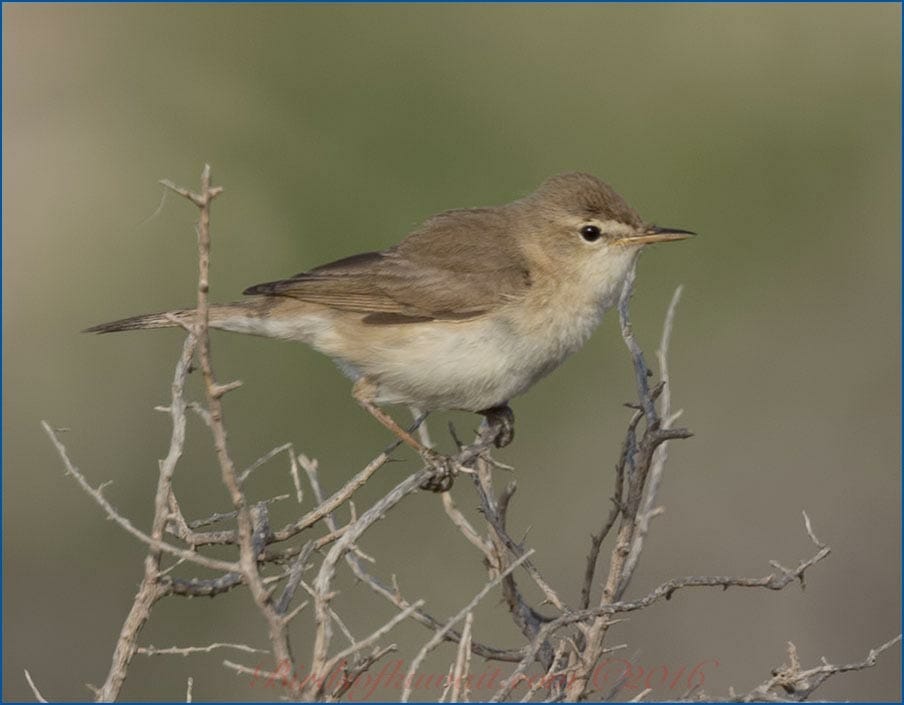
<point>562,644</point>
<point>790,683</point>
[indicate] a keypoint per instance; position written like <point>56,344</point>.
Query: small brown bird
<point>467,312</point>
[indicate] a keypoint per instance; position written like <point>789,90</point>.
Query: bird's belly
<point>470,365</point>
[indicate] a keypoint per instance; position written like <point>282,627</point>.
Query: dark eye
<point>590,233</point>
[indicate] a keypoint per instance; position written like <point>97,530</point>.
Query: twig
<point>647,511</point>
<point>420,423</point>
<point>322,590</point>
<point>462,663</point>
<point>371,638</point>
<point>526,618</point>
<point>293,472</point>
<point>447,686</point>
<point>549,679</point>
<point>264,458</point>
<point>772,581</point>
<point>464,526</point>
<point>34,689</point>
<point>477,648</point>
<point>638,458</point>
<point>151,589</point>
<point>625,462</point>
<point>189,650</point>
<point>295,572</point>
<point>248,551</point>
<point>438,636</point>
<point>640,368</point>
<point>796,684</point>
<point>360,667</point>
<point>493,516</point>
<point>111,512</point>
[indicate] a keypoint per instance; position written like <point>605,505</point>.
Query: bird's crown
<point>586,196</point>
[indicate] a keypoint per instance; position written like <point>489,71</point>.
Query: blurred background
<point>772,130</point>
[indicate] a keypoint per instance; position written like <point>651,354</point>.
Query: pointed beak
<point>655,233</point>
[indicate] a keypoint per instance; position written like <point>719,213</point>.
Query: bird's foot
<point>444,473</point>
<point>501,420</point>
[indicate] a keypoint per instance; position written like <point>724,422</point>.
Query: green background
<point>772,130</point>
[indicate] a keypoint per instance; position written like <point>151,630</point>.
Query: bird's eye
<point>590,233</point>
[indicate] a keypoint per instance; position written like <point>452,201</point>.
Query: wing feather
<point>458,265</point>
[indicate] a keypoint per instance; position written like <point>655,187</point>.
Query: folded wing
<point>457,266</point>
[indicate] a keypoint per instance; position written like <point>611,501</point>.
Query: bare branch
<point>424,618</point>
<point>34,689</point>
<point>791,683</point>
<point>189,650</point>
<point>464,526</point>
<point>324,508</point>
<point>640,367</point>
<point>373,637</point>
<point>352,674</point>
<point>265,458</point>
<point>111,512</point>
<point>600,615</point>
<point>438,636</point>
<point>462,662</point>
<point>647,510</point>
<point>322,590</point>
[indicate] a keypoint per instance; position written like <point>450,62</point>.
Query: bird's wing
<point>458,265</point>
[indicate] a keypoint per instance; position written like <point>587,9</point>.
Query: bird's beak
<point>655,233</point>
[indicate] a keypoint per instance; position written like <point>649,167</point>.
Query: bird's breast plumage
<point>485,361</point>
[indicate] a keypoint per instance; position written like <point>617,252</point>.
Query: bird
<point>467,312</point>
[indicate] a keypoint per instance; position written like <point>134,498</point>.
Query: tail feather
<point>164,319</point>
<point>248,316</point>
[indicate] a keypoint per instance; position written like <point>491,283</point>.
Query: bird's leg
<point>364,392</point>
<point>502,419</point>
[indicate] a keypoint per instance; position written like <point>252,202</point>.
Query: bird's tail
<point>253,315</point>
<point>241,316</point>
<point>164,319</point>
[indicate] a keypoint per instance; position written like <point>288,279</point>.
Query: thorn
<point>810,532</point>
<point>218,390</point>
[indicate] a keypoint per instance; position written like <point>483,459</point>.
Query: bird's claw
<point>444,472</point>
<point>501,419</point>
